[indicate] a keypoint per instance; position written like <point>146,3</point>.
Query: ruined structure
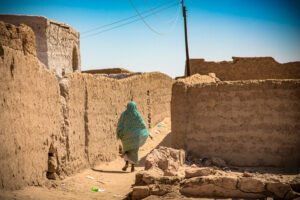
<point>51,129</point>
<point>249,115</point>
<point>57,44</point>
<point>210,181</point>
<point>251,68</point>
<point>107,71</point>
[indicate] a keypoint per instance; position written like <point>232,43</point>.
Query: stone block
<point>202,171</point>
<point>278,189</point>
<point>140,192</point>
<point>247,184</point>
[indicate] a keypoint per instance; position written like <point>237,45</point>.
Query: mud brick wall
<point>95,103</point>
<point>252,68</point>
<point>63,48</point>
<point>74,100</point>
<point>30,111</point>
<point>107,71</point>
<point>57,44</point>
<point>51,129</point>
<point>39,25</point>
<point>247,123</point>
<point>105,102</point>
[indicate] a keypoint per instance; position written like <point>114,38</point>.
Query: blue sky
<point>217,30</point>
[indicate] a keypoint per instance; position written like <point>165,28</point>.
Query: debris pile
<point>165,174</point>
<point>166,159</point>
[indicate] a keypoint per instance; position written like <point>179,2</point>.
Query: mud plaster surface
<point>246,123</point>
<point>57,44</point>
<point>108,176</point>
<point>72,122</point>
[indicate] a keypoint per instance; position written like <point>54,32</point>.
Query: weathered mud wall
<point>247,123</point>
<point>51,128</point>
<point>74,100</point>
<point>30,111</point>
<point>39,25</point>
<point>95,103</point>
<point>63,48</point>
<point>107,71</point>
<point>256,68</point>
<point>57,44</point>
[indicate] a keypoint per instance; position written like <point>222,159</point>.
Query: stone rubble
<point>205,181</point>
<point>167,159</point>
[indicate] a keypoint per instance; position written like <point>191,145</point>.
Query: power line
<point>105,30</point>
<point>124,19</point>
<point>176,19</point>
<point>154,13</point>
<point>152,29</point>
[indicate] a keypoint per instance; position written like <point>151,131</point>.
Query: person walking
<point>133,133</point>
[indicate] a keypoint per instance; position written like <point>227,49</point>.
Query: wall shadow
<point>109,171</point>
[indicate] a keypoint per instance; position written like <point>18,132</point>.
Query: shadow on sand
<point>109,171</point>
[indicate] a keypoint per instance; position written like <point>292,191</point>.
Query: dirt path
<point>107,176</point>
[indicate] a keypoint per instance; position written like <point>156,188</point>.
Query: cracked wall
<point>63,48</point>
<point>30,115</point>
<point>57,44</point>
<point>53,129</point>
<point>95,103</point>
<point>247,123</point>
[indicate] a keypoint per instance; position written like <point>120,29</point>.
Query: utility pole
<point>188,72</point>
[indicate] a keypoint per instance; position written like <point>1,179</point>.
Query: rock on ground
<point>247,184</point>
<point>140,192</point>
<point>166,159</point>
<point>200,171</point>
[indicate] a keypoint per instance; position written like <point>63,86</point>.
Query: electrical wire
<point>125,19</point>
<point>154,13</point>
<point>146,16</point>
<point>139,14</point>
<point>176,20</point>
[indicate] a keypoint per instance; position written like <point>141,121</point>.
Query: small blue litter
<point>159,125</point>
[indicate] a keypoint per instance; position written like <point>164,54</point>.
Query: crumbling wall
<point>256,68</point>
<point>158,97</point>
<point>105,102</point>
<point>247,123</point>
<point>30,114</point>
<point>74,98</point>
<point>57,44</point>
<point>39,25</point>
<point>50,129</point>
<point>107,71</point>
<point>93,105</point>
<point>63,48</point>
<point>106,99</point>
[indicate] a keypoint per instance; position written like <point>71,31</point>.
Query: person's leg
<point>132,157</point>
<point>125,167</point>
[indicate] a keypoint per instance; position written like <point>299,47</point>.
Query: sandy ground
<point>108,176</point>
<point>116,183</point>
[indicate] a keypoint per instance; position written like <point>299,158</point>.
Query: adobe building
<point>57,44</point>
<point>246,68</point>
<point>245,111</point>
